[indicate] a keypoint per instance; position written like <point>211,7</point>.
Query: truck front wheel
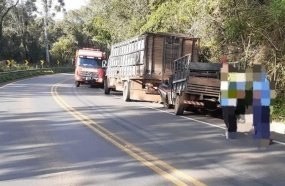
<point>106,89</point>
<point>126,91</point>
<point>179,108</point>
<point>77,83</point>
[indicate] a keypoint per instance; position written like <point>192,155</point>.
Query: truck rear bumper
<point>194,103</point>
<point>205,104</point>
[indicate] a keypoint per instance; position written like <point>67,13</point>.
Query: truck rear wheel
<point>178,108</point>
<point>77,83</point>
<point>106,89</point>
<point>126,91</point>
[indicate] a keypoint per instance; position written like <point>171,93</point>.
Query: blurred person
<point>263,92</point>
<point>228,99</point>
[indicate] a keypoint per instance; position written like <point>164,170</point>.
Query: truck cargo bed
<point>149,56</point>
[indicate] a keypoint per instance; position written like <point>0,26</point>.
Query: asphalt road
<point>52,133</point>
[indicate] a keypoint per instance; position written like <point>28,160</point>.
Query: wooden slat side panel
<point>195,50</point>
<point>149,57</point>
<point>204,81</point>
<point>187,46</point>
<point>172,51</point>
<point>158,47</point>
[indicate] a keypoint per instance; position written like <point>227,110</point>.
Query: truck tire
<point>178,108</point>
<point>126,91</point>
<point>106,89</point>
<point>77,83</point>
<point>166,103</point>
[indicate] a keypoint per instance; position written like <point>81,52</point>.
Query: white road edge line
<point>203,122</point>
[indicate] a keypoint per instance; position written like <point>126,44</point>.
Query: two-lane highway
<point>53,133</point>
<point>42,144</point>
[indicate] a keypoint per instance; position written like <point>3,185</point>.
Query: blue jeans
<point>261,122</point>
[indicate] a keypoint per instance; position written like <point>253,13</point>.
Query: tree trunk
<point>1,38</point>
<point>2,16</point>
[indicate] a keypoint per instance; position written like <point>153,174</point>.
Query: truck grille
<point>89,74</point>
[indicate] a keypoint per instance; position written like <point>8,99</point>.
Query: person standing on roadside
<point>228,99</point>
<point>263,92</point>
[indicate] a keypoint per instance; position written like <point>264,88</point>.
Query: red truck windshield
<point>89,62</point>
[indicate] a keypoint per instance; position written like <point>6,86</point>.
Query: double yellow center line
<point>160,167</point>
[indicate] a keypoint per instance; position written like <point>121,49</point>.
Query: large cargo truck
<point>88,67</point>
<point>193,86</point>
<point>138,65</point>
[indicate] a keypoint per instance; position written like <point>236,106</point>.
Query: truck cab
<point>88,67</point>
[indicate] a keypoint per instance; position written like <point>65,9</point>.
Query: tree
<point>23,17</point>
<point>64,48</point>
<point>122,19</point>
<point>47,4</point>
<point>5,7</point>
<point>169,16</point>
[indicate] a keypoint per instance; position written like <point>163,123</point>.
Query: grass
<point>15,75</point>
<point>279,110</point>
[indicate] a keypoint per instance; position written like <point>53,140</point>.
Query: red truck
<point>88,67</point>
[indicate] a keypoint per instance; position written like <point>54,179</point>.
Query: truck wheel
<point>166,104</point>
<point>92,85</point>
<point>178,108</point>
<point>106,89</point>
<point>126,91</point>
<point>77,83</point>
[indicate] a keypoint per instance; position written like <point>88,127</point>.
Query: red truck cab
<point>88,67</point>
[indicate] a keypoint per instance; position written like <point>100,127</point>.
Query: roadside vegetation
<point>16,72</point>
<point>242,30</point>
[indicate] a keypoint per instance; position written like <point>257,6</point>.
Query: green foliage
<point>161,18</point>
<point>234,28</point>
<point>170,16</point>
<point>22,33</point>
<point>14,75</point>
<point>64,49</point>
<point>119,19</point>
<point>279,110</point>
<point>277,9</point>
<point>97,30</point>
